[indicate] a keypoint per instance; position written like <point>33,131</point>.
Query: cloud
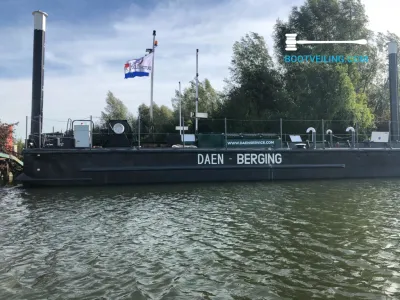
<point>383,15</point>
<point>85,59</point>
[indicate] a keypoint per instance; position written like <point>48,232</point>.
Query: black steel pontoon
<point>78,157</point>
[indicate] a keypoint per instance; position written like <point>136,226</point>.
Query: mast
<point>197,89</point>
<point>39,33</point>
<point>180,108</point>
<point>152,78</point>
<point>393,86</point>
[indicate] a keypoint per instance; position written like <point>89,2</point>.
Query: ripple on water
<point>321,240</point>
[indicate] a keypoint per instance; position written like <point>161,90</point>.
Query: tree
<point>20,145</point>
<point>115,110</point>
<point>163,120</point>
<point>6,137</point>
<point>324,20</point>
<point>378,89</point>
<point>327,91</point>
<point>209,99</point>
<point>209,102</point>
<point>255,88</point>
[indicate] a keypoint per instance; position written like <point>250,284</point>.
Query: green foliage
<point>4,135</point>
<point>115,109</point>
<point>255,88</point>
<point>210,101</point>
<point>328,91</point>
<point>20,145</point>
<point>378,89</point>
<point>163,119</point>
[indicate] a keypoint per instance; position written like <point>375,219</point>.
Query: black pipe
<point>393,86</point>
<point>39,20</point>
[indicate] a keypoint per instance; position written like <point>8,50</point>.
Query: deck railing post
<point>323,134</point>
<point>40,131</point>
<point>314,135</point>
<point>226,136</point>
<point>26,132</point>
<point>183,136</point>
<point>357,135</point>
<point>139,131</point>
<point>91,132</point>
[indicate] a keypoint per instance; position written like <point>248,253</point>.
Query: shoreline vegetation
<point>9,169</point>
<point>258,88</point>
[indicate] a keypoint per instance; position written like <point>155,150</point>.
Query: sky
<point>88,42</point>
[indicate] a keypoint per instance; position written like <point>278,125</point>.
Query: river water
<point>291,240</point>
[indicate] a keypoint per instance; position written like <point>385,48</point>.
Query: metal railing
<point>337,132</point>
<point>323,132</point>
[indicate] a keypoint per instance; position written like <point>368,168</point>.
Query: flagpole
<point>197,88</point>
<point>180,108</point>
<point>152,78</point>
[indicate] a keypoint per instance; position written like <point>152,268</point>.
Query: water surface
<point>292,240</point>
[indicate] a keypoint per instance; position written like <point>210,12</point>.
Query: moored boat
<point>115,156</point>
